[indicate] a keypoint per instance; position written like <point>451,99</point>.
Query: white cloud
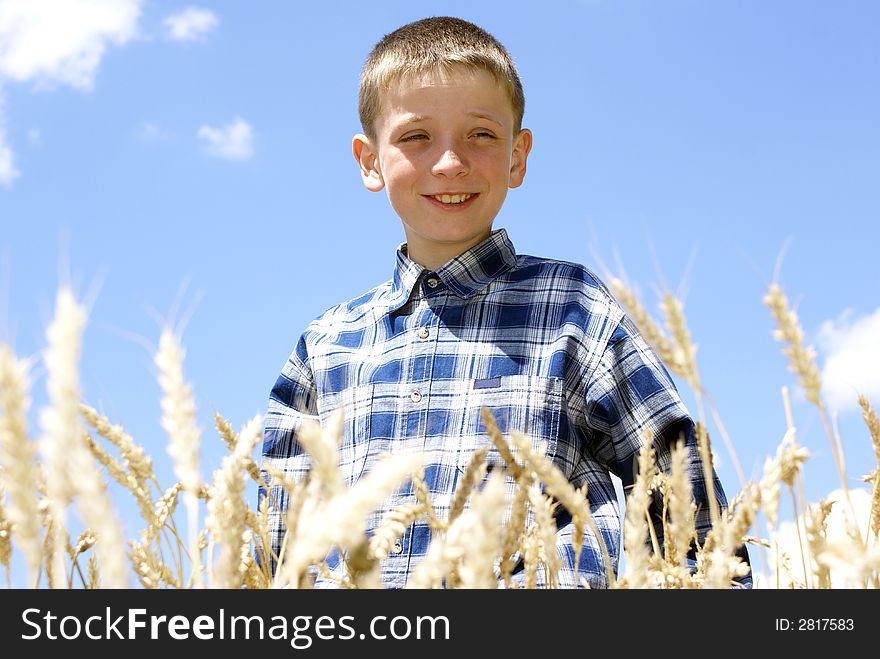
<point>62,41</point>
<point>8,172</point>
<point>192,24</point>
<point>53,42</point>
<point>233,142</point>
<point>151,132</point>
<point>852,363</point>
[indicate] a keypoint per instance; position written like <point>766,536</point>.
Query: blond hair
<point>432,44</point>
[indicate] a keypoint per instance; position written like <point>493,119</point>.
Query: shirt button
<point>433,281</point>
<point>415,396</point>
<point>423,332</point>
<point>397,548</point>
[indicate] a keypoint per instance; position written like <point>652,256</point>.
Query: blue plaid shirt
<point>541,343</point>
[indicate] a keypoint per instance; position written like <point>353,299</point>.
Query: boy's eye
<point>482,134</point>
<point>413,137</point>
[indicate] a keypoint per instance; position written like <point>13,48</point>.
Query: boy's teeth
<point>452,199</point>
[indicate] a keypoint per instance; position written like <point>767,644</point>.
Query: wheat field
<point>57,477</point>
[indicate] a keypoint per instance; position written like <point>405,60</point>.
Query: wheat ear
<point>138,466</point>
<point>229,437</point>
<point>227,508</point>
<point>635,533</point>
<point>17,456</point>
<point>60,422</point>
<point>873,423</point>
<point>342,520</point>
<point>648,327</point>
<point>473,475</point>
<point>179,421</point>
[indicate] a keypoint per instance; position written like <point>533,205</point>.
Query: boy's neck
<point>433,255</point>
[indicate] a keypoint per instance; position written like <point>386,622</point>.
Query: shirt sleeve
<point>630,392</point>
<point>292,401</point>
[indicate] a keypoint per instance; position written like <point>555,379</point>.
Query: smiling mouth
<point>452,199</point>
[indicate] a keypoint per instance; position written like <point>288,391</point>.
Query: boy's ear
<point>368,160</point>
<point>522,144</point>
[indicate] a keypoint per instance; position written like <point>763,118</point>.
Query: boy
<point>465,322</point>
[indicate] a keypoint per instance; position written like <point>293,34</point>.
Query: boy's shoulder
<point>534,266</point>
<point>352,310</point>
<point>554,273</point>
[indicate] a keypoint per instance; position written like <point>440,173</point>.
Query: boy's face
<point>446,154</point>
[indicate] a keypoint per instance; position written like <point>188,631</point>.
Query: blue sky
<point>201,161</point>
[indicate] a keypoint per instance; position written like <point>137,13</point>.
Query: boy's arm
<point>630,392</point>
<point>292,401</point>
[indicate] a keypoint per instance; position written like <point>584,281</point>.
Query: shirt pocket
<point>528,404</point>
<point>354,445</point>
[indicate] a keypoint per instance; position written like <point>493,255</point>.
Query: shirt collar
<point>465,275</point>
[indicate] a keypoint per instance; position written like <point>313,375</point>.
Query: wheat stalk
<point>545,535</point>
<point>634,529</point>
<point>816,526</point>
<point>443,560</point>
<point>17,456</point>
<point>515,528</point>
<point>678,353</point>
<point>99,514</point>
<point>322,445</point>
<point>5,538</point>
<point>498,440</point>
<point>229,437</point>
<point>227,507</point>
<point>574,500</point>
<point>677,541</point>
<point>484,536</point>
<point>685,351</point>
<point>473,475</point>
<point>60,423</point>
<point>179,421</point>
<point>873,423</point>
<point>802,361</point>
<point>341,520</point>
<point>66,453</point>
<point>393,525</point>
<point>138,466</point>
<point>721,566</point>
<point>802,358</point>
<point>648,327</point>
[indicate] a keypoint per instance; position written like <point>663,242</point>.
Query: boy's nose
<point>450,163</point>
